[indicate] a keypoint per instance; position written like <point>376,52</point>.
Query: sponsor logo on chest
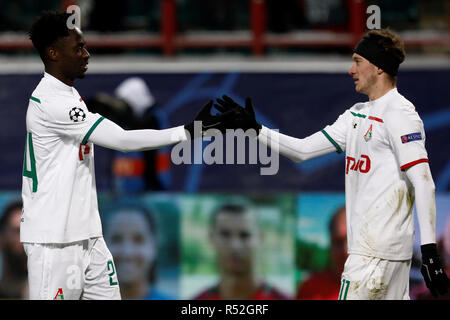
<point>362,165</point>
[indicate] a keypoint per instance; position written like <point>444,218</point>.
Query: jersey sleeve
<point>296,149</point>
<point>406,135</point>
<point>337,132</point>
<point>71,121</point>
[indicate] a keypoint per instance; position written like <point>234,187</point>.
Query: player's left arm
<point>424,191</point>
<point>407,137</point>
<point>424,194</point>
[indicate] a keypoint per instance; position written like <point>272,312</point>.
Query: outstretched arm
<point>296,149</point>
<point>110,135</point>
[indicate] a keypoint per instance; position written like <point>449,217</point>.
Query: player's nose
<point>351,71</point>
<point>86,55</point>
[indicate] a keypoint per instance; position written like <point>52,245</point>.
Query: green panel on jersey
<point>88,134</point>
<point>35,99</point>
<point>32,172</point>
<point>338,148</point>
<point>358,114</point>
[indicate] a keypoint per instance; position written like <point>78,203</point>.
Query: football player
<point>386,172</point>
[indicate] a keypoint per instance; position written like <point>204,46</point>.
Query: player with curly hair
<point>60,225</point>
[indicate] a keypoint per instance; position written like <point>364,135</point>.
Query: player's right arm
<point>110,135</point>
<point>330,139</point>
<point>297,149</point>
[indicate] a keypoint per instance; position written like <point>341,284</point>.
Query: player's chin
<point>81,75</point>
<point>82,72</point>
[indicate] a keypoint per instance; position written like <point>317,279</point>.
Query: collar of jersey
<point>383,98</point>
<point>57,83</point>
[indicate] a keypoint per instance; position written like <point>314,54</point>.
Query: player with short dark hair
<point>60,225</point>
<point>386,170</point>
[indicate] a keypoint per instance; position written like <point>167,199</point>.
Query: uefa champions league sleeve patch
<point>77,114</point>
<point>411,137</point>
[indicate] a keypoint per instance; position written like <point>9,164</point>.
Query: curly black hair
<point>48,28</point>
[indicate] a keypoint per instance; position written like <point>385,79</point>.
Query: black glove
<point>432,270</point>
<point>209,121</point>
<point>243,118</point>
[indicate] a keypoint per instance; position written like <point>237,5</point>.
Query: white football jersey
<point>58,185</point>
<point>381,139</point>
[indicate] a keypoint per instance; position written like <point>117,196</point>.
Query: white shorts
<point>369,278</point>
<point>71,271</point>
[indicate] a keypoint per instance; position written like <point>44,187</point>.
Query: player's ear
<point>52,53</point>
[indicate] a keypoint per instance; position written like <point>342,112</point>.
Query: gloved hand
<point>243,118</point>
<point>432,270</point>
<point>208,121</point>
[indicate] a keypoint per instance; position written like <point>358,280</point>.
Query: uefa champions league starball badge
<point>77,114</point>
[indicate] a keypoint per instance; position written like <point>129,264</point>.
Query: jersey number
<point>32,172</point>
<point>112,273</point>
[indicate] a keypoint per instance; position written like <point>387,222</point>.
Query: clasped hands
<point>231,116</point>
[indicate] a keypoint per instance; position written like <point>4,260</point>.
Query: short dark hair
<point>7,212</point>
<point>49,27</point>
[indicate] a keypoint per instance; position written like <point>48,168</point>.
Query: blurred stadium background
<point>290,56</point>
